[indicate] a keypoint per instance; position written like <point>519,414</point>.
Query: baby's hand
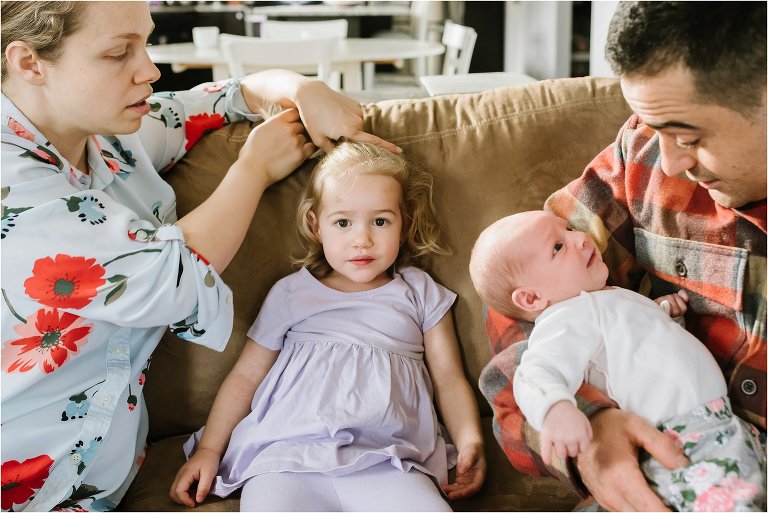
<point>470,473</point>
<point>674,304</point>
<point>201,467</point>
<point>566,430</point>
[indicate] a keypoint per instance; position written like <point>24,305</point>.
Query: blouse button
<point>749,387</point>
<point>76,459</point>
<point>117,350</point>
<point>681,269</point>
<point>106,399</point>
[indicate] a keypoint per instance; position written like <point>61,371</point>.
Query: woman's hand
<point>201,468</point>
<point>277,146</point>
<point>470,473</point>
<point>328,115</point>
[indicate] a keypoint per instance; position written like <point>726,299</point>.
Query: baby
<point>531,266</point>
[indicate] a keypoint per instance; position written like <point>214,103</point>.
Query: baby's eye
<point>380,221</point>
<point>569,229</point>
<point>556,249</point>
<point>342,223</point>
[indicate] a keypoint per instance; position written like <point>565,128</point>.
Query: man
<point>677,202</point>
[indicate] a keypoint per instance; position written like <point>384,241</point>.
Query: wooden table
<point>348,56</point>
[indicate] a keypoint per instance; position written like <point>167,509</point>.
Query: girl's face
<point>101,82</point>
<point>359,224</point>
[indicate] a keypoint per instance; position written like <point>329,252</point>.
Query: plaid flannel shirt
<point>657,234</point>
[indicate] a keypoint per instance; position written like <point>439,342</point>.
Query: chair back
<point>291,30</point>
<point>459,42</point>
<point>247,54</point>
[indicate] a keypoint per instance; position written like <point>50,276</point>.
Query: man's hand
<point>609,467</point>
<point>674,304</point>
<point>565,430</point>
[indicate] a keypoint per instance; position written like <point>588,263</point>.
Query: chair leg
<point>369,72</point>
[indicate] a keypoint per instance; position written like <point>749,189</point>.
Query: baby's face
<point>557,261</point>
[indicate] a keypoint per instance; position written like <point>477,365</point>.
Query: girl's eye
<point>380,221</point>
<point>557,248</point>
<point>117,57</point>
<point>342,223</point>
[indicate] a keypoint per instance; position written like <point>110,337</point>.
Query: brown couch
<point>491,154</point>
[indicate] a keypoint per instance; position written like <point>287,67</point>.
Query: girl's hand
<point>674,304</point>
<point>329,115</point>
<point>201,467</point>
<point>277,146</point>
<point>470,473</point>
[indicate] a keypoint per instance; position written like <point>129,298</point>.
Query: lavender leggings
<point>378,488</point>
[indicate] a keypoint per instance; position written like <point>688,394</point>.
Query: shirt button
<point>106,399</point>
<point>117,350</point>
<point>76,459</point>
<point>681,269</point>
<point>749,387</point>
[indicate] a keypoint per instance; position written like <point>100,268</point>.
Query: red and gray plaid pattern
<point>658,234</point>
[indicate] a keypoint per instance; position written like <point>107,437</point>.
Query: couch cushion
<point>504,490</point>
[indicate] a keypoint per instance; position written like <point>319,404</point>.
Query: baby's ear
<point>312,221</point>
<point>527,299</point>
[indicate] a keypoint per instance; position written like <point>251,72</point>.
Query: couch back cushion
<point>491,154</point>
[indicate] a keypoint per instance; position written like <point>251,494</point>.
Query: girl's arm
<point>232,404</point>
<point>457,406</point>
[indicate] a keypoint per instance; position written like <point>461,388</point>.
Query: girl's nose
<point>362,239</point>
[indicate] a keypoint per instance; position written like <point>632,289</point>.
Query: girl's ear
<point>25,63</point>
<point>527,299</point>
<point>313,224</point>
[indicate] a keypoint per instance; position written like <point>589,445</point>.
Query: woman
<point>94,262</point>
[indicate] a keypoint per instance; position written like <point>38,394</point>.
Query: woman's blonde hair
<point>42,25</point>
<point>421,232</point>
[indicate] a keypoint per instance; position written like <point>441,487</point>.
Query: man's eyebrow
<point>672,124</point>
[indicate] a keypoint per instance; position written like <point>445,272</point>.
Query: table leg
<point>352,75</point>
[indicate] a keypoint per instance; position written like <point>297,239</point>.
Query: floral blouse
<point>93,269</point>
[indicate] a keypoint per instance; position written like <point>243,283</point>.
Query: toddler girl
<point>343,359</point>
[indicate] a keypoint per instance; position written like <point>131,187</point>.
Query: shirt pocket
<point>713,274</point>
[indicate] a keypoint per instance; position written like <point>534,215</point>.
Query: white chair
<point>292,30</point>
<point>247,54</point>
<point>459,42</point>
<point>421,23</point>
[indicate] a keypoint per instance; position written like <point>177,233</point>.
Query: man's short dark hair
<point>723,44</point>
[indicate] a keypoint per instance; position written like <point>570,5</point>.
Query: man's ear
<point>25,63</point>
<point>313,224</point>
<point>527,299</point>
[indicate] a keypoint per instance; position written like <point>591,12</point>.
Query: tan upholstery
<point>492,154</point>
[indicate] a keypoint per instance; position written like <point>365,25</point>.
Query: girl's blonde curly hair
<point>421,232</point>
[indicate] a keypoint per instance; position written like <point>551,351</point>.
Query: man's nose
<point>674,160</point>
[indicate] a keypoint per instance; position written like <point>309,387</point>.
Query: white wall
<point>602,12</point>
<point>537,38</point>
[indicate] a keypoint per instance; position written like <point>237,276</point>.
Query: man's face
<point>719,148</point>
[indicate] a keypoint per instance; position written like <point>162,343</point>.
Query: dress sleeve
<point>274,319</point>
<point>435,300</point>
<point>552,368</point>
<point>178,120</point>
<point>101,253</point>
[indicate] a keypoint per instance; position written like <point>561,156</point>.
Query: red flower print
<point>20,480</point>
<point>199,125</point>
<point>113,165</point>
<point>48,338</point>
<point>66,282</point>
<point>19,129</point>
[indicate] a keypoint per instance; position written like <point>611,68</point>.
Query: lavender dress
<point>350,388</point>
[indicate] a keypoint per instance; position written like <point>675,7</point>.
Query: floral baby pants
<point>727,469</point>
